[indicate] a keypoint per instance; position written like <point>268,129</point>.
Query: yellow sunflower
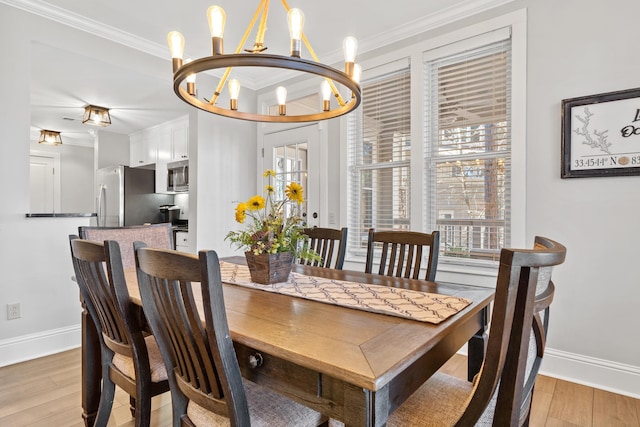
<point>269,172</point>
<point>294,192</point>
<point>256,203</point>
<point>241,212</point>
<point>269,189</point>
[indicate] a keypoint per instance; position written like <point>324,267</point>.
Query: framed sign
<point>601,135</point>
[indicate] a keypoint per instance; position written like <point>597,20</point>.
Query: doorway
<point>44,183</point>
<point>293,154</point>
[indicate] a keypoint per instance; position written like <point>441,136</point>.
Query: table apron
<point>355,406</point>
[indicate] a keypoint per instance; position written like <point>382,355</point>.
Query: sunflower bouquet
<point>273,225</point>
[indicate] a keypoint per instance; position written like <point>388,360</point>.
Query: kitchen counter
<point>61,215</point>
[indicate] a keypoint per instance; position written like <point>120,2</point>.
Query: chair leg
<point>143,402</point>
<point>106,398</point>
<point>132,406</point>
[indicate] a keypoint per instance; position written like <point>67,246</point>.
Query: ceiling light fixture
<point>50,137</point>
<point>186,71</point>
<point>96,116</point>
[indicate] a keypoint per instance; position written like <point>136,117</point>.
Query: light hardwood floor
<point>46,392</point>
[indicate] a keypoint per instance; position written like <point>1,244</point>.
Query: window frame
<point>486,44</point>
<point>516,23</point>
<point>400,69</point>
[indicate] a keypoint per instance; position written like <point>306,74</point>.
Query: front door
<point>293,155</point>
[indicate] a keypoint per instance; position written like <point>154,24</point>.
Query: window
<point>457,163</point>
<point>467,151</point>
<point>290,165</point>
<point>379,155</point>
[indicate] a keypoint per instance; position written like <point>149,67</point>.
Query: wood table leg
<point>91,368</point>
<point>365,407</point>
<point>476,348</point>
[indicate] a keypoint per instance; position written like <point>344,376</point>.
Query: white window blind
<point>468,152</point>
<point>379,142</point>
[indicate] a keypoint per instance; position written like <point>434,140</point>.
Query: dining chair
<point>206,385</point>
<point>501,393</point>
<point>329,243</point>
<point>129,359</point>
<point>401,253</point>
<point>154,235</point>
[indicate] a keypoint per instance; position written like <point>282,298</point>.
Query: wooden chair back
<point>523,289</point>
<point>401,253</point>
<point>154,235</point>
<point>202,357</point>
<point>330,244</point>
<point>100,276</point>
<point>113,315</point>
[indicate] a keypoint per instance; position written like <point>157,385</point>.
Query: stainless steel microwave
<point>178,176</point>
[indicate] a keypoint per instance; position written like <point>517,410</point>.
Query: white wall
<point>111,149</point>
<point>226,174</point>
<point>581,48</point>
<point>34,256</point>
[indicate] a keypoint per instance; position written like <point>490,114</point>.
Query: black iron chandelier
<point>185,71</point>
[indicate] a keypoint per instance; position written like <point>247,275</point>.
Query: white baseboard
<point>590,371</point>
<point>32,346</point>
<point>597,373</point>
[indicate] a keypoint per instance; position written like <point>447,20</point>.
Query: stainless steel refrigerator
<point>126,196</point>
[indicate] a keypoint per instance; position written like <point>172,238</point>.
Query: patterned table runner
<point>420,306</point>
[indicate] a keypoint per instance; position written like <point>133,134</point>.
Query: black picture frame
<point>601,135</point>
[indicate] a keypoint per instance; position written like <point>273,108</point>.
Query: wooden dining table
<point>352,365</point>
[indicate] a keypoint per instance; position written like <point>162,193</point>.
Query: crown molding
<point>91,26</point>
<point>426,23</point>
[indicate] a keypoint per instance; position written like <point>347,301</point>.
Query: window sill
<point>481,274</point>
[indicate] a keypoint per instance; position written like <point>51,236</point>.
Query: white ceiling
<point>139,99</point>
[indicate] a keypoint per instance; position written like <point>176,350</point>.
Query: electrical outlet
<point>13,311</point>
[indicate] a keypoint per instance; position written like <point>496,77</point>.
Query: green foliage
<point>269,229</point>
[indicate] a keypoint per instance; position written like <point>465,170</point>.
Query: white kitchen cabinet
<point>142,150</point>
<point>182,241</point>
<point>180,141</point>
<point>136,152</point>
<point>163,142</point>
<point>156,146</point>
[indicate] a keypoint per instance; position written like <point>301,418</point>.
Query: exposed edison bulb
<point>281,96</point>
<point>176,44</point>
<point>295,18</point>
<point>217,18</point>
<point>97,117</point>
<point>234,91</point>
<point>350,48</point>
<point>357,73</point>
<point>326,90</point>
<point>326,95</point>
<point>234,88</point>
